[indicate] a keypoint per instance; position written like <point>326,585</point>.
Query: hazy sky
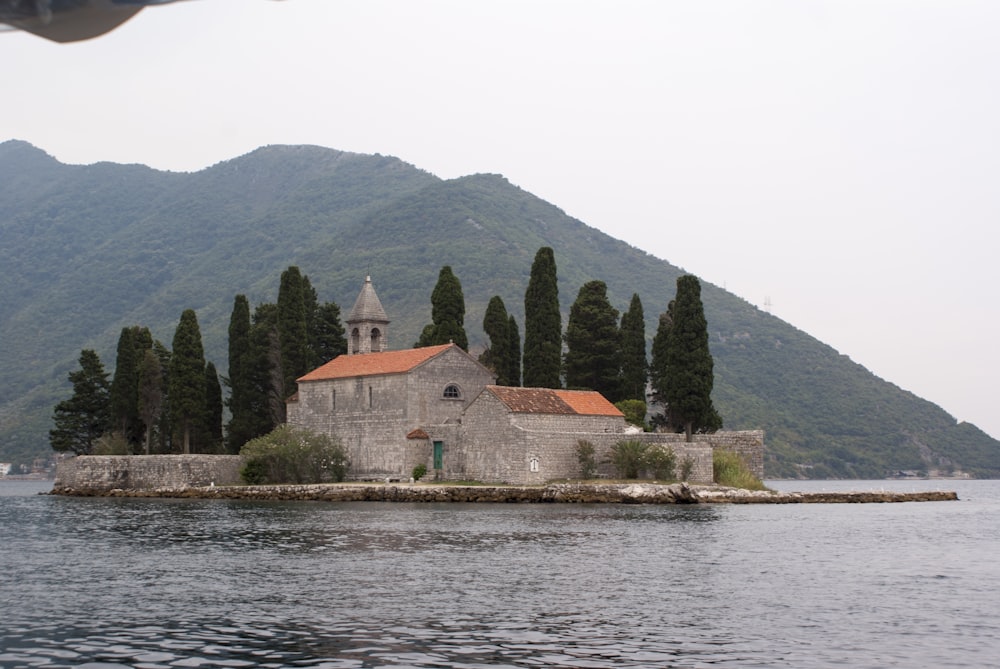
<point>838,160</point>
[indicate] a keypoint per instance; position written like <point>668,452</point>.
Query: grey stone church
<point>437,406</point>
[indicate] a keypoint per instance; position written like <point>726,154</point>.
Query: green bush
<point>660,462</point>
<point>419,471</point>
<point>728,469</point>
<point>293,455</point>
<point>585,455</point>
<point>628,457</point>
<point>687,466</point>
<point>635,412</point>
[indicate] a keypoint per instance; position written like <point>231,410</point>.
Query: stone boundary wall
<point>101,474</point>
<point>748,444</point>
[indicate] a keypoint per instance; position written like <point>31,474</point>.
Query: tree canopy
<point>593,351</point>
<point>447,313</point>
<point>542,357</point>
<point>187,379</point>
<point>86,415</point>
<point>635,368</point>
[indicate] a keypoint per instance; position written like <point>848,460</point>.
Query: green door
<point>438,454</point>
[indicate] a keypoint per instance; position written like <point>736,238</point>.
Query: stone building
<point>437,406</point>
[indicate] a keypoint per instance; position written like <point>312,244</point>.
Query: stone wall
<point>100,474</point>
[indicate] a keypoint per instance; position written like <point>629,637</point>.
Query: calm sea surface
<point>188,583</point>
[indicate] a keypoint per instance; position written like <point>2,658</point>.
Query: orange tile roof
<point>373,364</point>
<point>548,401</point>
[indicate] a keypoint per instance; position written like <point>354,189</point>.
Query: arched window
<point>452,392</point>
<point>376,337</point>
<point>355,340</point>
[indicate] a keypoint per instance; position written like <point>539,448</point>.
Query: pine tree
<point>514,353</point>
<point>187,379</point>
<point>326,333</point>
<point>293,333</point>
<point>593,348</point>
<point>542,324</point>
<point>447,313</point>
<point>495,325</point>
<point>634,365</point>
<point>213,408</point>
<point>86,415</point>
<point>684,374</point>
<point>150,394</point>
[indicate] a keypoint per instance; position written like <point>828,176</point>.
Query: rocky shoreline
<point>579,493</point>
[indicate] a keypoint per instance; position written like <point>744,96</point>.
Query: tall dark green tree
<point>187,379</point>
<point>213,408</point>
<point>514,352</point>
<point>150,395</point>
<point>238,431</point>
<point>447,313</point>
<point>266,380</point>
<point>495,324</point>
<point>542,359</point>
<point>683,374</point>
<point>635,368</point>
<point>164,429</point>
<point>86,415</point>
<point>326,333</point>
<point>593,348</point>
<point>132,344</point>
<point>293,333</point>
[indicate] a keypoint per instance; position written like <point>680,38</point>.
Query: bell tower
<point>367,324</point>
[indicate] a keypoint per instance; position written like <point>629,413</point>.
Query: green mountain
<point>89,249</point>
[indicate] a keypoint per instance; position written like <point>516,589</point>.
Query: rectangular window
<point>333,400</point>
<point>370,397</point>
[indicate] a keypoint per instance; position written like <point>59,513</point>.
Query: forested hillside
<point>90,249</point>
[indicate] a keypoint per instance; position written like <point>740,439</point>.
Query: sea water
<point>109,582</point>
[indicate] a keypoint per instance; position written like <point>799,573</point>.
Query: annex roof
<point>373,364</point>
<point>549,401</point>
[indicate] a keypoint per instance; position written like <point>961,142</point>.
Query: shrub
<point>728,469</point>
<point>635,412</point>
<point>659,461</point>
<point>585,455</point>
<point>628,458</point>
<point>112,443</point>
<point>292,455</point>
<point>419,471</point>
<point>687,466</point>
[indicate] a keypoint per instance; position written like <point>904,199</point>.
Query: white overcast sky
<point>838,160</point>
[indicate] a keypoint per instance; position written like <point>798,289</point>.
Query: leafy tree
<point>593,349</point>
<point>633,341</point>
<point>213,407</point>
<point>293,333</point>
<point>86,415</point>
<point>447,313</point>
<point>542,324</point>
<point>150,394</point>
<point>187,379</point>
<point>684,368</point>
<point>634,410</point>
<point>496,323</point>
<point>514,353</point>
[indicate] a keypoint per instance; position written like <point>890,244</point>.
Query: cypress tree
<point>163,427</point>
<point>634,365</point>
<point>495,325</point>
<point>514,353</point>
<point>447,313</point>
<point>292,330</point>
<point>133,342</point>
<point>213,408</point>
<point>86,415</point>
<point>267,400</point>
<point>150,394</point>
<point>593,348</point>
<point>542,324</point>
<point>687,374</point>
<point>239,371</point>
<point>187,379</point>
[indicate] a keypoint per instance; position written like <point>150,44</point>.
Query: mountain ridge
<point>98,247</point>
